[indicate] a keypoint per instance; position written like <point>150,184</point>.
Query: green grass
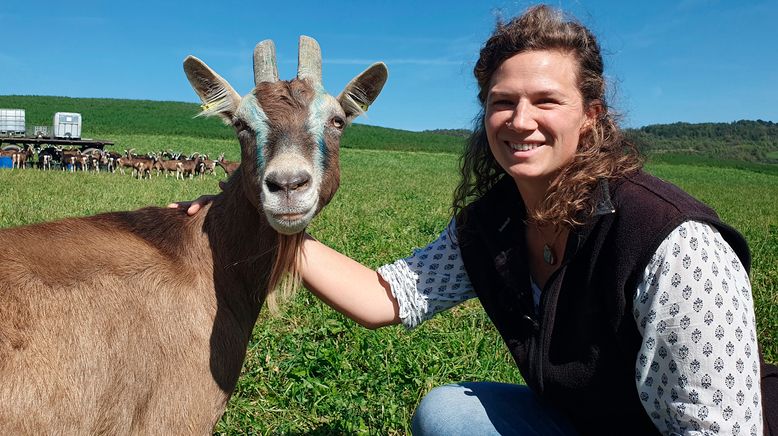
<point>31,196</point>
<point>703,161</point>
<point>310,370</point>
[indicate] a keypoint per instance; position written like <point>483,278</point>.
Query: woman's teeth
<point>523,146</point>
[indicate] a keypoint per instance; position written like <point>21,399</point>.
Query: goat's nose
<point>288,181</point>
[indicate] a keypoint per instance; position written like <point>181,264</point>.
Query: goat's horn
<point>265,69</point>
<point>309,60</point>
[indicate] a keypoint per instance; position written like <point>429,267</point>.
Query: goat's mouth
<point>289,217</point>
<point>289,222</point>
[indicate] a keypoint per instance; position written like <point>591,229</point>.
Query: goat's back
<point>100,327</point>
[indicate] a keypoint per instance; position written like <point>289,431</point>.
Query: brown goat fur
<point>138,322</point>
<point>118,319</point>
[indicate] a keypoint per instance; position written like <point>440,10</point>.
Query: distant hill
<point>752,141</point>
<point>104,117</point>
<point>462,133</point>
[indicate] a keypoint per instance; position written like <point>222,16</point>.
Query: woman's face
<point>535,115</point>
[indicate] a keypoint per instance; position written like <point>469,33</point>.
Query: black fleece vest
<point>579,354</point>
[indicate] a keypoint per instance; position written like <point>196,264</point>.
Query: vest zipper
<point>543,329</point>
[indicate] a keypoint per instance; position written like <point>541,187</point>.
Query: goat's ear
<point>217,95</point>
<point>360,93</point>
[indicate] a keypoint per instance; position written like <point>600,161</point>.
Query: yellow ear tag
<point>206,106</point>
<point>363,107</point>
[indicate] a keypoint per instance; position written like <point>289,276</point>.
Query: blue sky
<point>667,61</point>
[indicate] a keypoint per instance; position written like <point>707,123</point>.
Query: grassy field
<point>312,371</point>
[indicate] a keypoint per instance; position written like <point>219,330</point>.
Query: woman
<point>625,302</point>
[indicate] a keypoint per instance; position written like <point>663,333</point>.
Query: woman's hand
<point>192,207</point>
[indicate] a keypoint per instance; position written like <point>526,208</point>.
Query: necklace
<point>548,253</point>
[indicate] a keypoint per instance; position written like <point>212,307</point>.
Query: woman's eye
<point>546,102</point>
<point>502,103</point>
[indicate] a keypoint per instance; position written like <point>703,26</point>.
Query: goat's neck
<point>243,247</point>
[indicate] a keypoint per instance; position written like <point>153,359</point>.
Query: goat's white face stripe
<point>252,114</point>
<point>318,116</point>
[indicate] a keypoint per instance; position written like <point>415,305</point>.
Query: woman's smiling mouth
<point>523,146</point>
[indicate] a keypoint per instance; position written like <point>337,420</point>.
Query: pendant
<point>548,255</point>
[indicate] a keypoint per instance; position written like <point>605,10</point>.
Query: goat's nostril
<point>299,181</point>
<point>272,186</point>
<point>287,182</point>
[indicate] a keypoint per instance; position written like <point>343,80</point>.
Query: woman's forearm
<point>347,286</point>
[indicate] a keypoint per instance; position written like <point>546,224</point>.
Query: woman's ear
<point>594,111</point>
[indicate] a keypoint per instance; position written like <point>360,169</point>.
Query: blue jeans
<point>486,408</point>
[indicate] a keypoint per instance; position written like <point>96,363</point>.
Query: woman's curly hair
<point>602,150</point>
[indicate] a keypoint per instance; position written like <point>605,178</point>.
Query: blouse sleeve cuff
<point>412,304</point>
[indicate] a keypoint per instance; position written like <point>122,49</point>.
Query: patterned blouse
<point>697,371</point>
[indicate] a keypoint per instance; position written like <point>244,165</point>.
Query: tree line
<point>753,141</point>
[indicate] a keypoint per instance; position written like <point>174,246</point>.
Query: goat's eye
<point>338,122</point>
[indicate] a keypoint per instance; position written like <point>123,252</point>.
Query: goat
<point>228,166</point>
<point>84,162</point>
<point>45,161</point>
<point>110,158</point>
<point>189,167</point>
<point>124,162</point>
<point>208,166</point>
<point>47,155</point>
<point>70,157</point>
<point>154,344</point>
<point>142,168</point>
<point>8,153</point>
<point>168,166</point>
<point>20,158</point>
<point>141,165</point>
<point>94,159</point>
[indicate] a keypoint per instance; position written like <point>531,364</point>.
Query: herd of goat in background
<point>141,165</point>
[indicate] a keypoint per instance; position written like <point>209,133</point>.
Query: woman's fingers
<point>197,204</point>
<point>192,207</point>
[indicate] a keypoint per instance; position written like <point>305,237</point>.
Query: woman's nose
<point>522,118</point>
